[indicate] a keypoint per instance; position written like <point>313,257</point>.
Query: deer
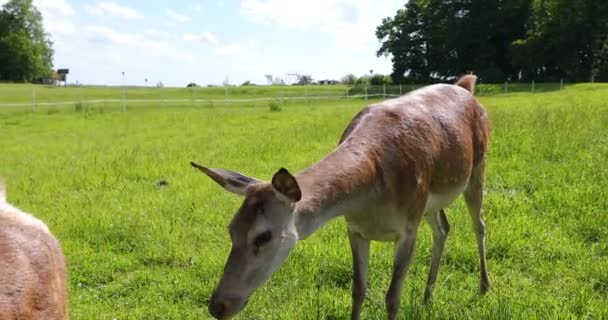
<point>32,267</point>
<point>398,162</point>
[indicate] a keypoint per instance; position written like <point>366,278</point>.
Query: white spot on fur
<point>437,201</point>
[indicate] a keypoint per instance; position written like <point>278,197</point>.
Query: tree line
<point>499,40</point>
<point>26,51</point>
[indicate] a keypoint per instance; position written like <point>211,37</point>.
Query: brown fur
<point>405,148</point>
<point>32,269</point>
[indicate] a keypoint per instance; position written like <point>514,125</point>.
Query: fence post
<point>384,91</point>
<point>81,96</point>
<point>506,86</point>
<point>160,96</point>
<point>532,85</point>
<point>226,98</point>
<point>400,89</point>
<point>347,88</point>
<point>282,96</point>
<point>561,85</point>
<point>34,100</point>
<point>124,103</point>
<point>365,92</point>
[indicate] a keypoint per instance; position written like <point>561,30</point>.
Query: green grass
<point>138,251</point>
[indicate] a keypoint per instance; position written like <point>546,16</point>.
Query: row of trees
<point>304,79</point>
<point>543,40</point>
<point>26,51</point>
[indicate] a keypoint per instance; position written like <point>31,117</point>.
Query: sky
<point>212,41</point>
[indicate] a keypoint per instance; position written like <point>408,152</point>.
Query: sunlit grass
<point>137,250</point>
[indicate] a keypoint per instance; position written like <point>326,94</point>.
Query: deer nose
<point>217,309</point>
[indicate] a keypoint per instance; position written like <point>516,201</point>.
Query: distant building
<point>62,76</point>
<point>328,82</point>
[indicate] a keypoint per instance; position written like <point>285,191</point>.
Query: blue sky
<point>209,41</point>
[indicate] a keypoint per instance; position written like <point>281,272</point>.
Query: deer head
<point>262,233</point>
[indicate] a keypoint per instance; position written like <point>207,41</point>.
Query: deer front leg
<point>404,251</point>
<point>360,251</point>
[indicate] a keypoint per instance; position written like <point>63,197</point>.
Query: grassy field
<point>139,251</point>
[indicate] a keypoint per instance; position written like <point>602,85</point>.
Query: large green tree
<point>432,40</point>
<point>566,39</point>
<point>25,49</point>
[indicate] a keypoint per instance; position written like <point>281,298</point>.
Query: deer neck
<point>339,184</point>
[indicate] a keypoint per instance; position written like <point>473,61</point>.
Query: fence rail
<point>78,97</point>
<point>60,103</point>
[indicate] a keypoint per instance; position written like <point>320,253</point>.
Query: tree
<point>546,40</point>
<point>25,49</point>
<point>278,82</point>
<point>349,79</point>
<point>435,40</point>
<point>269,79</point>
<point>379,79</point>
<point>304,79</point>
<point>566,39</point>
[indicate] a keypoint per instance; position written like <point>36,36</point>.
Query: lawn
<point>137,250</point>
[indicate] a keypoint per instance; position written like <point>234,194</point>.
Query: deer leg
<point>441,228</point>
<point>360,251</point>
<point>473,197</point>
<point>404,251</point>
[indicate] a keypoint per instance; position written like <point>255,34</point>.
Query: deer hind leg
<point>473,197</point>
<point>404,252</point>
<point>440,226</point>
<point>360,251</point>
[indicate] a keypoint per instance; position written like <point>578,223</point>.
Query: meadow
<point>140,249</point>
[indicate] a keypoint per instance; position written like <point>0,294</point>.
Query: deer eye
<point>262,238</point>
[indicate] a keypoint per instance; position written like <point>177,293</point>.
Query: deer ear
<point>229,180</point>
<point>286,185</point>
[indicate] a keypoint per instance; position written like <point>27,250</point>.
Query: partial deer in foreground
<point>398,162</point>
<point>32,267</point>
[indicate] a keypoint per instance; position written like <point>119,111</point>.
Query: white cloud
<point>117,41</point>
<point>201,37</point>
<point>55,7</point>
<point>177,16</point>
<point>113,9</point>
<point>56,15</point>
<point>245,50</point>
<point>229,50</point>
<point>157,33</point>
<point>351,22</point>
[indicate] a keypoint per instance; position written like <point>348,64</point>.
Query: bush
<point>79,106</point>
<point>274,106</point>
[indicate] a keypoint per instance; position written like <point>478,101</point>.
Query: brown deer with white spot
<point>398,162</point>
<point>32,267</point>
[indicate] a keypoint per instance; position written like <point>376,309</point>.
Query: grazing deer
<point>398,162</point>
<point>32,267</point>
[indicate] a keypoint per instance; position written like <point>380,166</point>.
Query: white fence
<point>125,98</point>
<point>116,97</point>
